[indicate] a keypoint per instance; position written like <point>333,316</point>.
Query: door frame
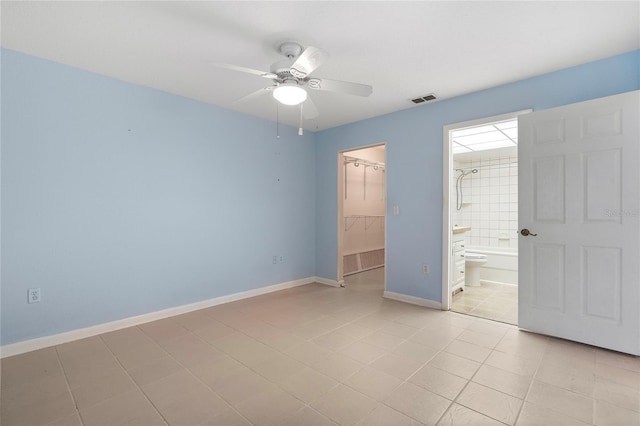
<point>340,221</point>
<point>447,168</point>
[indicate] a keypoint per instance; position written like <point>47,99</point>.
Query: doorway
<point>578,269</point>
<point>481,249</point>
<point>362,216</point>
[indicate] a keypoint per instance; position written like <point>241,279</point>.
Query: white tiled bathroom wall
<point>490,201</point>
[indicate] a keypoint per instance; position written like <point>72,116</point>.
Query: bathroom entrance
<point>483,214</point>
<point>577,209</point>
<point>361,216</point>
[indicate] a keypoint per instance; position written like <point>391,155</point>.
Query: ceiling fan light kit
<point>290,94</point>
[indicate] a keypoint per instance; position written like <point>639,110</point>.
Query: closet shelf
<point>368,220</point>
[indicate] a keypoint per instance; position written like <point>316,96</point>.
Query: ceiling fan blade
<point>309,109</point>
<point>254,95</point>
<point>310,59</point>
<point>347,87</point>
<point>263,74</point>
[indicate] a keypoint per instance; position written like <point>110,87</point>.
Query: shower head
<point>463,173</point>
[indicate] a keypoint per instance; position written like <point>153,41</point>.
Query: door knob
<point>525,233</point>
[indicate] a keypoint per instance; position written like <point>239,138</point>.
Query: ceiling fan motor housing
<point>290,49</point>
<point>282,69</point>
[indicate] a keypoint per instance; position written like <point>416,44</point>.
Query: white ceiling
<point>403,49</point>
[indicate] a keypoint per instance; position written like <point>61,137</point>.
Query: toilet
<point>472,264</point>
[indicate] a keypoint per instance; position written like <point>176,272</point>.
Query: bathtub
<point>501,266</point>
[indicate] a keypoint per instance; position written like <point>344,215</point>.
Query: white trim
<point>326,281</point>
<point>498,282</point>
<point>413,300</point>
<point>447,161</point>
<point>340,209</point>
<point>69,336</point>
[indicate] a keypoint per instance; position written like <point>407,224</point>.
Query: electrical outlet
<point>281,259</point>
<point>425,268</point>
<point>33,295</point>
<point>274,260</point>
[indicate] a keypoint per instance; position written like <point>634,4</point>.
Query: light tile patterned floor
<point>494,301</point>
<point>317,355</point>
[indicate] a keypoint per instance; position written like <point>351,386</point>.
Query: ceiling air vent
<point>424,98</point>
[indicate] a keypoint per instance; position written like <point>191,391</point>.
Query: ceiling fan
<point>291,78</point>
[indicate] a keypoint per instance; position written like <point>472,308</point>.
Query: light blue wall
<point>414,163</point>
<point>119,200</point>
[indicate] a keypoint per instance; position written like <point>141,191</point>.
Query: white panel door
<point>579,186</point>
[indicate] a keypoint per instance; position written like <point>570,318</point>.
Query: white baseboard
<point>498,282</point>
<point>413,300</point>
<point>326,281</point>
<point>69,336</point>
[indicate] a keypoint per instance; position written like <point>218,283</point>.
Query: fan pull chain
<point>277,121</point>
<point>300,128</point>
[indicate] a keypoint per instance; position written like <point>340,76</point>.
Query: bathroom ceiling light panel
<point>489,145</point>
<point>473,131</point>
<point>492,145</point>
<point>511,133</point>
<point>480,138</point>
<point>511,124</point>
<point>458,149</point>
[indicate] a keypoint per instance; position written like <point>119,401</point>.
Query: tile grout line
<point>344,381</point>
<point>66,380</point>
<point>470,380</point>
<point>533,376</point>
<point>190,372</point>
<point>330,352</point>
<point>407,380</point>
<point>391,351</point>
<point>131,378</point>
<point>252,368</point>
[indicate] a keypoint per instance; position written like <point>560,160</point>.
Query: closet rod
<point>363,162</point>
